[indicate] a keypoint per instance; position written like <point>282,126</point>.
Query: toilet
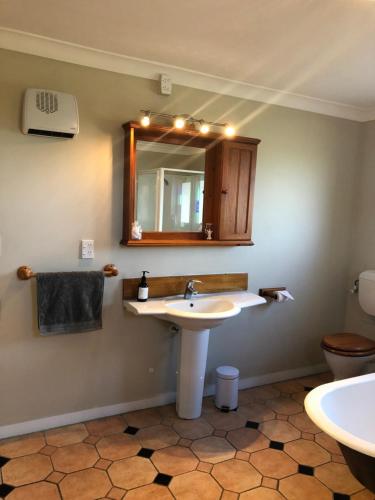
<point>348,354</point>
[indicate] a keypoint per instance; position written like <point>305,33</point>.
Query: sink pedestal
<point>196,318</point>
<point>191,372</point>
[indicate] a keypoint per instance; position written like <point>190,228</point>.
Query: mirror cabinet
<point>184,187</point>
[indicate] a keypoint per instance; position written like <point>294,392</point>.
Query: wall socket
<point>87,249</point>
<point>165,84</point>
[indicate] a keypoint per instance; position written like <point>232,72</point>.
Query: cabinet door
<point>237,188</point>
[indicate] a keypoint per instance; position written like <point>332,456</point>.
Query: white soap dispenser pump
<point>143,288</point>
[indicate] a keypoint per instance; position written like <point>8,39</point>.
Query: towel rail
<point>26,273</point>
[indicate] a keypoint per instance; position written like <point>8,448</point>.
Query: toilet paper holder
<point>271,292</point>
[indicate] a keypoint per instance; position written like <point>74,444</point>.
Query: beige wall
<point>55,192</point>
<point>363,233</point>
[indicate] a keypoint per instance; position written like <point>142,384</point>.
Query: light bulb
<point>204,128</point>
<point>229,131</point>
<point>179,122</point>
<point>145,121</point>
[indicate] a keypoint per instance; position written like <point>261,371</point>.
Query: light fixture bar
<point>181,119</point>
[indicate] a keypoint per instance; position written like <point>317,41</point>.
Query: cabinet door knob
<point>224,191</point>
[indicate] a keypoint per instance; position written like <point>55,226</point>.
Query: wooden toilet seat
<point>348,344</point>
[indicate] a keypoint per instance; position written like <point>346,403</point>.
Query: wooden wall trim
<point>165,286</point>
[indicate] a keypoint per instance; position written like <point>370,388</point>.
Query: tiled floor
<point>267,450</point>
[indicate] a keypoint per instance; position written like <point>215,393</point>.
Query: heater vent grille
<point>46,102</point>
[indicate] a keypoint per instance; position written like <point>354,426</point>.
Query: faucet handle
<point>191,283</point>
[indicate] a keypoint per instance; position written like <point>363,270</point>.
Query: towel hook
<point>26,273</point>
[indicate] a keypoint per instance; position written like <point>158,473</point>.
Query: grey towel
<point>69,302</point>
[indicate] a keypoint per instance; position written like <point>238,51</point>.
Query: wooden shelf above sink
<point>165,286</point>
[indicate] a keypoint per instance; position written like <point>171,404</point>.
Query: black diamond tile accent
<point>252,425</point>
<point>306,469</point>
<point>340,496</point>
<point>5,489</point>
<point>3,461</point>
<point>145,452</point>
<point>163,479</point>
<point>306,388</point>
<point>276,445</point>
<point>131,430</point>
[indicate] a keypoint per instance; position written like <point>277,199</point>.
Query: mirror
<point>169,187</point>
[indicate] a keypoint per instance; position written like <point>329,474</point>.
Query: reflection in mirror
<point>170,186</point>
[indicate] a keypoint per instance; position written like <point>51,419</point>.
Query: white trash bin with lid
<point>227,388</point>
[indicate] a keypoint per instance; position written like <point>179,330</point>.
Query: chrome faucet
<point>190,290</point>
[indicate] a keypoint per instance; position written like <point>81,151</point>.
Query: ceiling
<point>322,49</point>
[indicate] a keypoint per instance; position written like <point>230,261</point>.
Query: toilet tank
<point>366,295</point>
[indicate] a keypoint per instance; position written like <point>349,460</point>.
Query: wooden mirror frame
<point>212,143</point>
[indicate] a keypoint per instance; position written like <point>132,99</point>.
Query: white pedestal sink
<point>195,317</point>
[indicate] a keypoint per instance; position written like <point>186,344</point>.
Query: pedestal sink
<point>195,317</point>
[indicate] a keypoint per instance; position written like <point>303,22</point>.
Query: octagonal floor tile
<point>248,440</point>
<point>154,491</point>
<point>300,487</point>
<point>263,392</point>
<point>273,463</point>
<point>74,457</point>
<point>338,477</point>
<point>328,443</point>
<point>226,421</point>
<point>325,377</point>
<point>168,411</point>
<point>193,429</point>
<point>85,485</point>
<point>304,423</point>
<point>25,470</point>
<point>262,494</point>
<point>299,397</point>
<point>132,472</point>
<point>21,446</point>
<point>236,475</point>
<point>117,446</point>
<point>363,495</point>
<point>193,485</point>
<point>106,426</point>
<point>157,436</point>
<point>257,412</point>
<point>289,386</point>
<point>285,406</point>
<point>213,449</point>
<point>64,436</point>
<point>279,430</point>
<point>310,381</point>
<point>35,491</point>
<point>143,418</point>
<point>174,460</point>
<point>307,452</point>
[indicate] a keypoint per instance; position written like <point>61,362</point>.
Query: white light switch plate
<point>87,249</point>
<point>165,84</point>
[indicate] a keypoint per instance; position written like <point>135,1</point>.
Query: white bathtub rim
<point>319,417</point>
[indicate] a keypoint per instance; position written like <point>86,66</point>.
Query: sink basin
<point>200,314</point>
<point>195,317</point>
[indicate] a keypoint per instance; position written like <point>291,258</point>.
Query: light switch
<point>87,249</point>
<point>165,84</point>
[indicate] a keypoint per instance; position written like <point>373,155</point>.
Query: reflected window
<point>170,187</point>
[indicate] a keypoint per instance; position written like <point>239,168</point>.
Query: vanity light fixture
<point>229,131</point>
<point>179,122</point>
<point>204,127</point>
<point>146,120</point>
<point>184,120</point>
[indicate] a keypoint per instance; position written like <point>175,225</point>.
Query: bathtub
<point>345,410</point>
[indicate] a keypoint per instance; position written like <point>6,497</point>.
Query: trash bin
<point>227,388</point>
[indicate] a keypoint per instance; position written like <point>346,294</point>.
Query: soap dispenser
<point>143,288</point>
